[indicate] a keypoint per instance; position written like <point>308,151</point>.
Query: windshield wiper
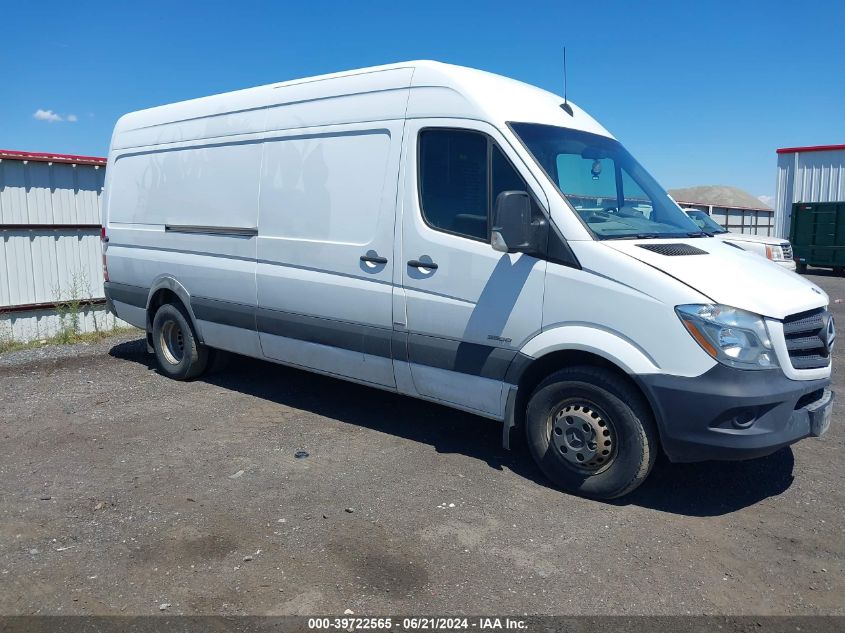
<point>636,236</point>
<point>699,234</point>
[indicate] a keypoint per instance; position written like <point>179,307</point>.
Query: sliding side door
<point>325,249</point>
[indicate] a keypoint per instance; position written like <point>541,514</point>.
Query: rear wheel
<point>591,432</point>
<point>178,352</point>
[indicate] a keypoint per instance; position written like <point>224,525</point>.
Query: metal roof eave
<point>49,157</point>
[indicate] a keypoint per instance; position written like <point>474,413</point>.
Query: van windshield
<point>613,195</point>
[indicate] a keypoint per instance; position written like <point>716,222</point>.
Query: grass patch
<point>64,337</point>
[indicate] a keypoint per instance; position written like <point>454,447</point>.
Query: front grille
<point>673,250</point>
<point>806,339</point>
<point>787,250</point>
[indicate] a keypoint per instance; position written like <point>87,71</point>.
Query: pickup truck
<point>777,250</point>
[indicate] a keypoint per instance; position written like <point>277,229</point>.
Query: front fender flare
<point>610,345</point>
<point>606,344</point>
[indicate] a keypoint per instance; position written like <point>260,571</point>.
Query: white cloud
<point>47,115</point>
<point>53,117</point>
<point>769,200</point>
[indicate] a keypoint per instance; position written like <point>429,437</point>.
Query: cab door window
<point>453,181</point>
<point>461,173</point>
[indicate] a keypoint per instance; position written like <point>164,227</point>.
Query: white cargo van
<point>461,237</point>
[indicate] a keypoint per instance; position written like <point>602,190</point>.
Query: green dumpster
<point>817,233</point>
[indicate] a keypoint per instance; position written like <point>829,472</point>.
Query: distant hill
<point>719,196</point>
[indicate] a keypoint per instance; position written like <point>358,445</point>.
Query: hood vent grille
<point>673,250</point>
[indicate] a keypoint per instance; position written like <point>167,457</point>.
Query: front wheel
<point>591,432</point>
<point>178,352</point>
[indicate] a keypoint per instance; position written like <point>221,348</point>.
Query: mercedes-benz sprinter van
<point>468,239</point>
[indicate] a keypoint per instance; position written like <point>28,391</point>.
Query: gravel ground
<point>123,491</point>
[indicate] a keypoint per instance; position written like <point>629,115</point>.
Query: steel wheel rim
<point>583,436</point>
<point>172,342</point>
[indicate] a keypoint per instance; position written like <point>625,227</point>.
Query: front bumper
<point>731,414</point>
<point>789,264</point>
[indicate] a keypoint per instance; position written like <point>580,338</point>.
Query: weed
<point>71,306</point>
<point>69,310</point>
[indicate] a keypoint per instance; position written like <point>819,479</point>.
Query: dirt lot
<point>123,491</point>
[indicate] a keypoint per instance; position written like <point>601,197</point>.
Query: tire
<point>180,356</point>
<point>801,268</point>
<point>591,432</point>
<point>838,270</point>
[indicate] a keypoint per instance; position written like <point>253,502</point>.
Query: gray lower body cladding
<point>485,361</point>
<point>124,293</point>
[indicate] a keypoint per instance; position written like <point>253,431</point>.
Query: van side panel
<point>186,189</point>
<point>204,185</point>
<point>190,213</point>
<point>623,318</point>
<point>328,199</point>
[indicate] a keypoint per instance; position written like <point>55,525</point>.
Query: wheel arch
<point>578,345</point>
<point>166,289</point>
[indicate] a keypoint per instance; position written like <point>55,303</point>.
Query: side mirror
<point>512,222</point>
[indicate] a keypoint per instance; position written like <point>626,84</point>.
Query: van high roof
<point>436,90</point>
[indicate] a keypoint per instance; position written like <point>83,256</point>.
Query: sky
<point>701,93</point>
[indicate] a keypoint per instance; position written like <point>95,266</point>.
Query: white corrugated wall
<point>815,176</point>
<point>49,245</point>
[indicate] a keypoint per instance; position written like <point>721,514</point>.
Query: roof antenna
<point>565,105</point>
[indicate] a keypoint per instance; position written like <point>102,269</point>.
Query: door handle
<point>415,263</point>
<point>373,259</point>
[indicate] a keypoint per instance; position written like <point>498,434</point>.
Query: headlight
<point>733,337</point>
<point>775,253</point>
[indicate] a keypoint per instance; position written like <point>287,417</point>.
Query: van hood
<point>729,275</point>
